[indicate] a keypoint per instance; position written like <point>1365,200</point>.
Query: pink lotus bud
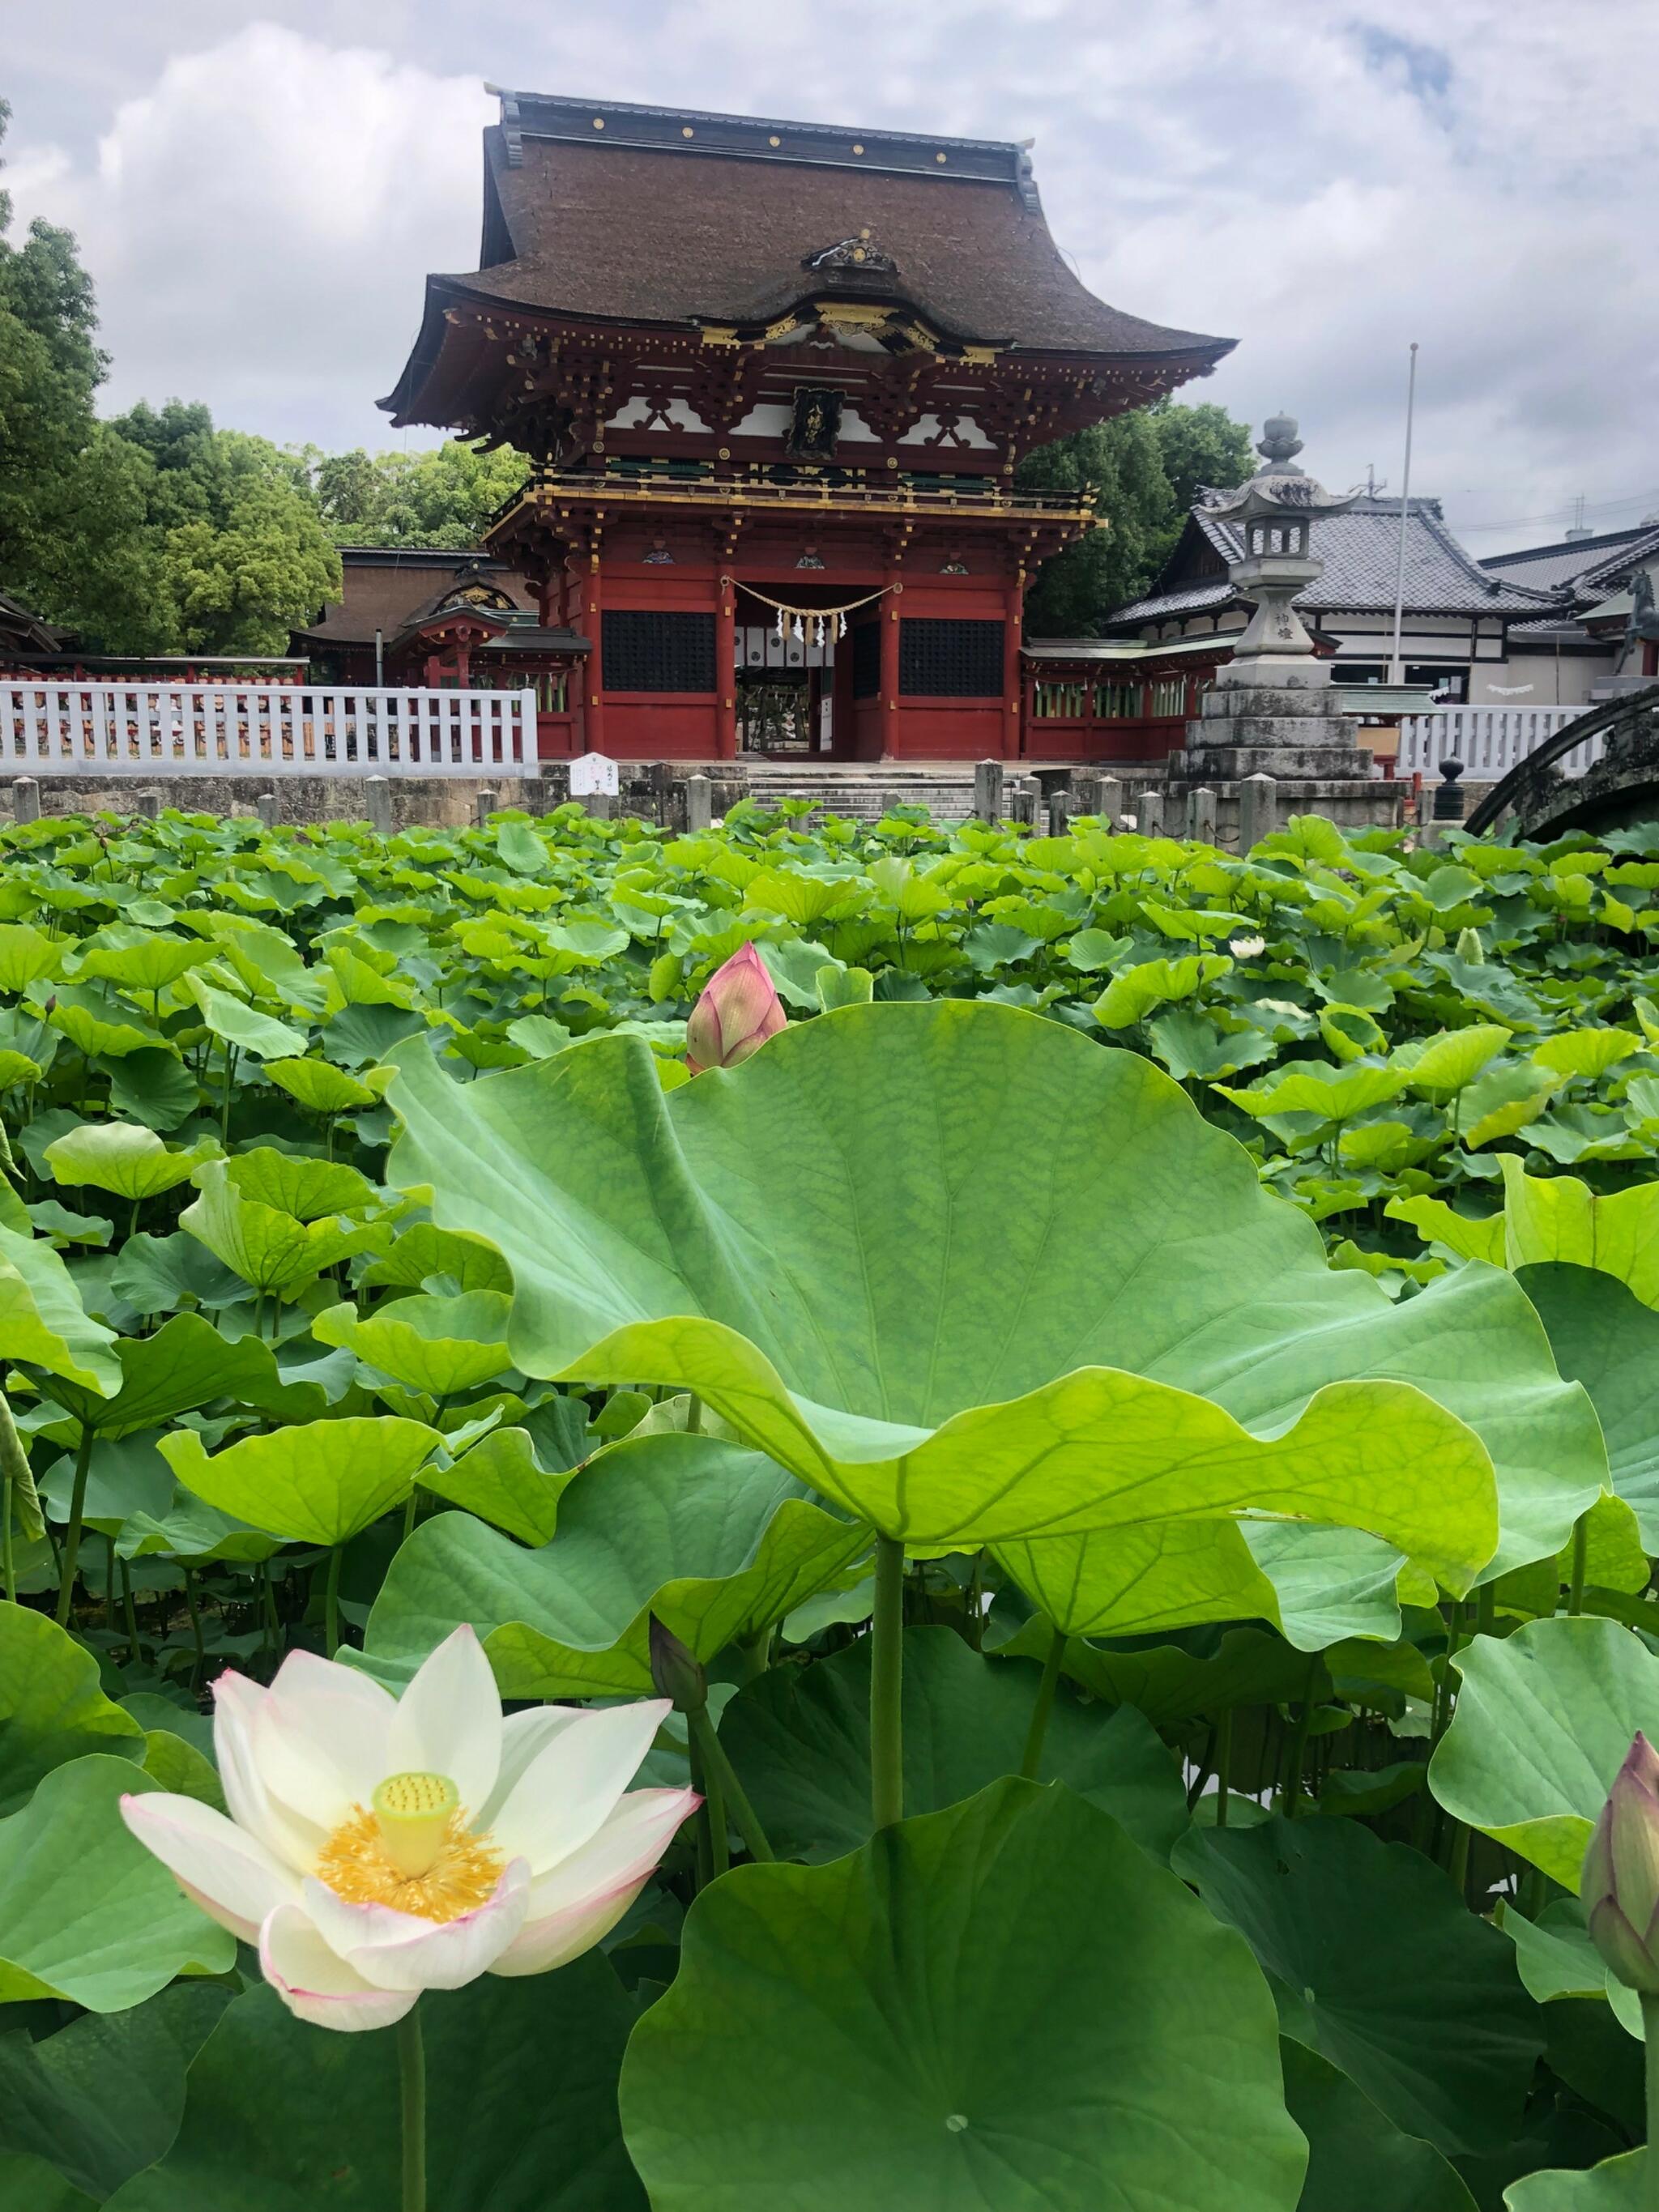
<point>737,1011</point>
<point>1620,1888</point>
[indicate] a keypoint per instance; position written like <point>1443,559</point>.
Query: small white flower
<point>380,1846</point>
<point>1246,948</point>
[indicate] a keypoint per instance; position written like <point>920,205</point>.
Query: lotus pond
<point>1026,1593</point>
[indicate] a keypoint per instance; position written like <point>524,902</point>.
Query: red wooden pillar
<point>1013,712</point>
<point>889,666</point>
<point>593,693</point>
<point>726,670</point>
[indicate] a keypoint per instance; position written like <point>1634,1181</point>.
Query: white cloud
<point>1323,183</point>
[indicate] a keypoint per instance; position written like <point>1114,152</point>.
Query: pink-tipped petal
<point>397,1951</point>
<point>318,1986</point>
<point>567,1794</point>
<point>580,1902</point>
<point>228,1873</point>
<point>448,1721</point>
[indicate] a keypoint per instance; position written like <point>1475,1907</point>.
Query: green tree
<point>445,497</point>
<point>1145,469</point>
<point>71,498</point>
<point>242,553</point>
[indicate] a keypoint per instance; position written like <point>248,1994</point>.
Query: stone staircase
<point>864,791</point>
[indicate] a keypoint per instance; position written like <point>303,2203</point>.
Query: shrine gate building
<point>774,381</point>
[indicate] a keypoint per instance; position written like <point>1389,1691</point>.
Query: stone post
<point>600,805</point>
<point>1060,813</point>
<point>26,798</point>
<point>1148,811</point>
<point>269,808</point>
<point>489,799</point>
<point>1108,803</point>
<point>1200,815</point>
<point>1446,807</point>
<point>377,802</point>
<point>1022,799</point>
<point>699,803</point>
<point>148,803</point>
<point>1258,810</point>
<point>987,790</point>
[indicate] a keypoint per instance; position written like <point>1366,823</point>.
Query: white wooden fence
<point>261,729</point>
<point>1489,740</point>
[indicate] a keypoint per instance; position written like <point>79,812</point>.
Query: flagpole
<point>1396,670</point>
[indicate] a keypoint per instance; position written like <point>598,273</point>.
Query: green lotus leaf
<point>800,1744</point>
<point>1587,1051</point>
<point>1133,992</point>
<point>319,1087</point>
<point>185,1364</point>
<point>16,1069</point>
<point>1553,1218</point>
<point>1309,1086</point>
<point>318,1482</point>
<point>1466,1237</point>
<point>267,1248</point>
<point>96,1021</point>
<point>126,1158</point>
<point>154,1087</point>
<point>1314,1585</point>
<point>521,2113</point>
<point>51,1709</point>
<point>293,1184</point>
<point>715,1541</point>
<point>25,953</point>
<point>1348,2136</point>
<point>140,959</point>
<point>946,2065</point>
<point>420,1252</point>
<point>442,1345</point>
<point>159,1274</point>
<point>854,1318</point>
<point>188,1529</point>
<point>1506,1098</point>
<point>1543,1722</point>
<point>502,1481</point>
<point>1618,2184</point>
<point>235,1022</point>
<point>1605,1338</point>
<point>42,1320</point>
<point>1440,1065</point>
<point>86,1912</point>
<point>102,2098</point>
<point>1556,1957</point>
<point>1382,1969</point>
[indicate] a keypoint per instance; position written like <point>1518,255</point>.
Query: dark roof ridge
<point>869,133</point>
<point>1559,545</point>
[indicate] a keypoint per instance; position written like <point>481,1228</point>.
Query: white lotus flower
<point>380,1846</point>
<point>1128,821</point>
<point>1246,948</point>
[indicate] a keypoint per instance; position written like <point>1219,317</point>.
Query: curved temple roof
<point>599,212</point>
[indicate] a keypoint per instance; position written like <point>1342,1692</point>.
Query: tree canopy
<point>445,497</point>
<point>1145,469</point>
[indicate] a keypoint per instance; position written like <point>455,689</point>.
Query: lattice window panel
<point>940,658</point>
<point>655,651</point>
<point>867,658</point>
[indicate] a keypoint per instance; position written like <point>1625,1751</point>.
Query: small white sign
<point>592,773</point>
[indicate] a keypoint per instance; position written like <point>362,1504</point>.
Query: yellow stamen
<point>459,1871</point>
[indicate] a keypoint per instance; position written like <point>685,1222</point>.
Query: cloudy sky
<point>259,190</point>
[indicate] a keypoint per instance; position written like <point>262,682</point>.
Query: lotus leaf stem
<point>1224,1759</point>
<point>411,2082</point>
<point>331,1603</point>
<point>1649,2161</point>
<point>887,1684</point>
<point>719,1775</point>
<point>1031,1762</point>
<point>72,1540</point>
<point>1580,1554</point>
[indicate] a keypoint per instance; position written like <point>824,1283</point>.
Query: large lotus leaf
<point>1348,2136</point>
<point>319,1087</point>
<point>319,1482</point>
<point>1618,2184</point>
<point>188,1529</point>
<point>1543,1722</point>
<point>800,1743</point>
<point>51,1709</point>
<point>159,1274</point>
<point>86,1912</point>
<point>503,1482</point>
<point>422,1252</point>
<point>869,2032</point>
<point>125,1158</point>
<point>1451,1061</point>
<point>139,959</point>
<point>1315,1585</point>
<point>42,1320</point>
<point>1605,1338</point>
<point>98,1022</point>
<point>1383,1970</point>
<point>521,2111</point>
<point>188,1364</point>
<point>267,1248</point>
<point>1210,1670</point>
<point>237,1024</point>
<point>25,953</point>
<point>1334,1094</point>
<point>1556,1957</point>
<point>998,1294</point>
<point>1553,1218</point>
<point>291,1183</point>
<point>710,1537</point>
<point>442,1345</point>
<point>102,2098</point>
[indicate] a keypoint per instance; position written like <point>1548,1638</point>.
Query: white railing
<point>1489,740</point>
<point>261,729</point>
